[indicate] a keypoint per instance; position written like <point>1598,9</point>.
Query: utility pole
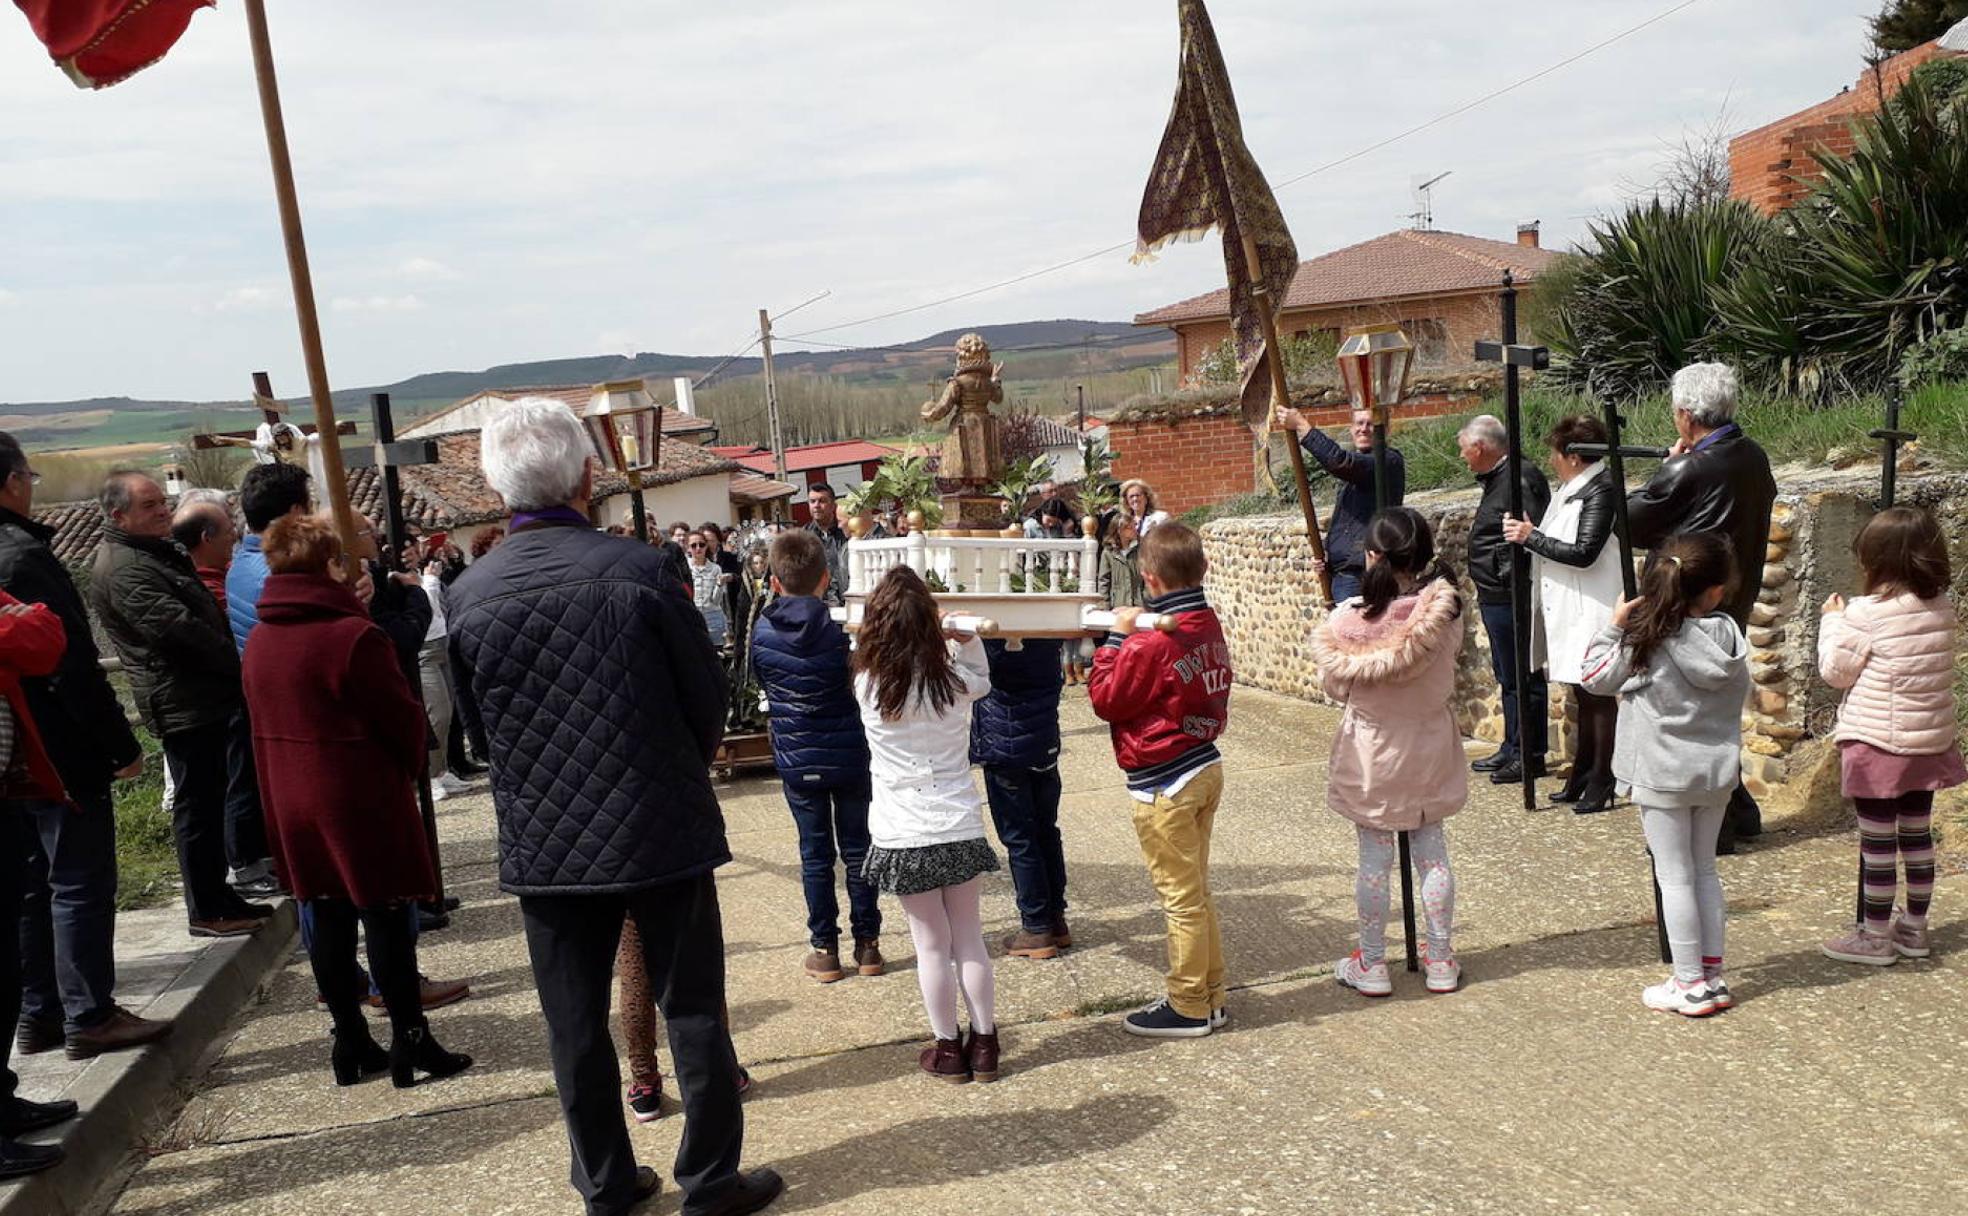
<point>1082,389</point>
<point>775,436</point>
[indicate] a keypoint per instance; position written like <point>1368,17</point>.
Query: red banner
<point>99,42</point>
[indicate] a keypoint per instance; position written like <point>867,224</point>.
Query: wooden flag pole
<point>1281,397</point>
<point>303,282</point>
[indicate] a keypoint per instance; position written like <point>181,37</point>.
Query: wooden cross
<point>270,409</point>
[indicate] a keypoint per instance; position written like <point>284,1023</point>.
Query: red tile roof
<point>811,456</point>
<point>755,487</point>
<point>450,494</point>
<point>1399,264</point>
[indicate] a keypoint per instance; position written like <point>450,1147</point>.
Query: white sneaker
<point>1362,978</point>
<point>449,784</point>
<point>1441,975</point>
<point>1219,1018</point>
<point>1718,988</point>
<point>1674,996</point>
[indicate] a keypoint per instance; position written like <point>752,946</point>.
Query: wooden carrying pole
<point>1281,397</point>
<point>297,271</point>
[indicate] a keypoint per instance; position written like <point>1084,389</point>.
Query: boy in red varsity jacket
<point>1167,696</point>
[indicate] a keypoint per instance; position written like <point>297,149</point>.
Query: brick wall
<point>1775,165</point>
<point>1190,462</point>
<point>1462,318</point>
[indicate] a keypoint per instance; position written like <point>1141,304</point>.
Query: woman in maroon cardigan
<point>339,740</point>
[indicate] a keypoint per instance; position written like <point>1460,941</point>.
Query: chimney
<point>686,397</point>
<point>1527,234</point>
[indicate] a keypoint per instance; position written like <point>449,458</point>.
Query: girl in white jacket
<point>915,684</point>
<point>1893,650</point>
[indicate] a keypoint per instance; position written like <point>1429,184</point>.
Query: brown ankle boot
<point>1027,944</point>
<point>944,1060</point>
<point>868,957</point>
<point>981,1053</point>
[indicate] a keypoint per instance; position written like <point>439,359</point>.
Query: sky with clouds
<point>496,181</point>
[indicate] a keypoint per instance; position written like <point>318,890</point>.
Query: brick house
<point>1441,287</point>
<point>1776,165</point>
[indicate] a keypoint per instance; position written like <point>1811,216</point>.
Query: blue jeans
<point>68,910</point>
<point>1025,808</point>
<point>365,983</point>
<point>1497,622</point>
<point>826,817</point>
<point>1345,586</point>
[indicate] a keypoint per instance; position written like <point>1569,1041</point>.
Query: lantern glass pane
<point>1353,370</point>
<point>642,427</point>
<point>601,437</point>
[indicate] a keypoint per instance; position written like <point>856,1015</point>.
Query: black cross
<point>390,454</point>
<point>1890,438</point>
<point>1515,358</point>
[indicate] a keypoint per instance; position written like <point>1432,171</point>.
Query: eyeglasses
<point>33,478</point>
<point>697,544</point>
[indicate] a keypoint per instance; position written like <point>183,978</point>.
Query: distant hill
<point>1028,346</point>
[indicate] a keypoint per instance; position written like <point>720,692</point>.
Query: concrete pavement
<point>1543,1085</point>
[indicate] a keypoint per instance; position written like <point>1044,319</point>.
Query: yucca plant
<point>1877,260</point>
<point>1642,302</point>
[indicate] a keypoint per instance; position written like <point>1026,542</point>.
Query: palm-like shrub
<point>1641,302</point>
<point>1875,259</point>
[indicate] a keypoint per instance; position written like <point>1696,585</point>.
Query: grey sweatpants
<point>1682,839</point>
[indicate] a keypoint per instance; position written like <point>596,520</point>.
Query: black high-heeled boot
<point>356,1057</point>
<point>414,1051</point>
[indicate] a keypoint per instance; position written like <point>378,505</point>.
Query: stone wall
<point>1261,584</point>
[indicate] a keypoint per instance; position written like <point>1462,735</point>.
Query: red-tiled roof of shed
<point>1396,265</point>
<point>808,456</point>
<point>577,397</point>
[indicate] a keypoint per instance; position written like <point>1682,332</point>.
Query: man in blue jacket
<point>800,654</point>
<point>1014,734</point>
<point>593,689</point>
<point>1346,534</point>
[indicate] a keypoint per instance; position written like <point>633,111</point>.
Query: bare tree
<point>1693,169</point>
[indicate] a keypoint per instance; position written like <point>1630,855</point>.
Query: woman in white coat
<point>1575,567</point>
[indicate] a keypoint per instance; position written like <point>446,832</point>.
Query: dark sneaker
<point>868,957</point>
<point>1492,762</point>
<point>119,1031</point>
<point>243,926</point>
<point>1512,773</point>
<point>36,1035</point>
<point>647,1184</point>
<point>824,965</point>
<point>646,1101</point>
<point>1027,944</point>
<point>22,1116</point>
<point>1162,1020</point>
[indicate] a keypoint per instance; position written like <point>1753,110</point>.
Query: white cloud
<point>8,298</point>
<point>249,299</point>
<point>405,303</point>
<point>752,155</point>
<point>427,269</point>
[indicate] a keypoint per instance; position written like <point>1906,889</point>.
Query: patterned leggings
<point>638,1005</point>
<point>1902,826</point>
<point>1378,851</point>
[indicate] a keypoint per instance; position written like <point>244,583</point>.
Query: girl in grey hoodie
<point>1681,671</point>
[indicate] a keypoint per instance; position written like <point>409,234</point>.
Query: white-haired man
<point>1485,447</point>
<point>1715,479</point>
<point>598,698</point>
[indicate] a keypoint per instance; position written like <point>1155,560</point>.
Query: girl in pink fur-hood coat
<point>1397,761</point>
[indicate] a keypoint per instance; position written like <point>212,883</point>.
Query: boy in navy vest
<point>801,656</point>
<point>1166,696</point>
<point>1014,734</point>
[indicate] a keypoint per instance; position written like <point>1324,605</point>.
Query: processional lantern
<point>625,428</point>
<point>1375,362</point>
<point>621,422</point>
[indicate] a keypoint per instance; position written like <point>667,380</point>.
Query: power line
<point>1288,182</point>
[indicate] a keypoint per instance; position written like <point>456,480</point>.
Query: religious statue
<point>281,443</point>
<point>970,454</point>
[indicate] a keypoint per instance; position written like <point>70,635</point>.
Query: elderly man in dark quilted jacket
<point>1014,734</point>
<point>184,677</point>
<point>595,692</point>
<point>821,752</point>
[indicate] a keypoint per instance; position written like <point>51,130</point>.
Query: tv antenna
<point>1424,195</point>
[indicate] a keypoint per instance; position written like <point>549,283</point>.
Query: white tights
<point>948,927</point>
<point>1683,843</point>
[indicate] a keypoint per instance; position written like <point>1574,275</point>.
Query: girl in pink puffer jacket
<point>1397,762</point>
<point>1893,651</point>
